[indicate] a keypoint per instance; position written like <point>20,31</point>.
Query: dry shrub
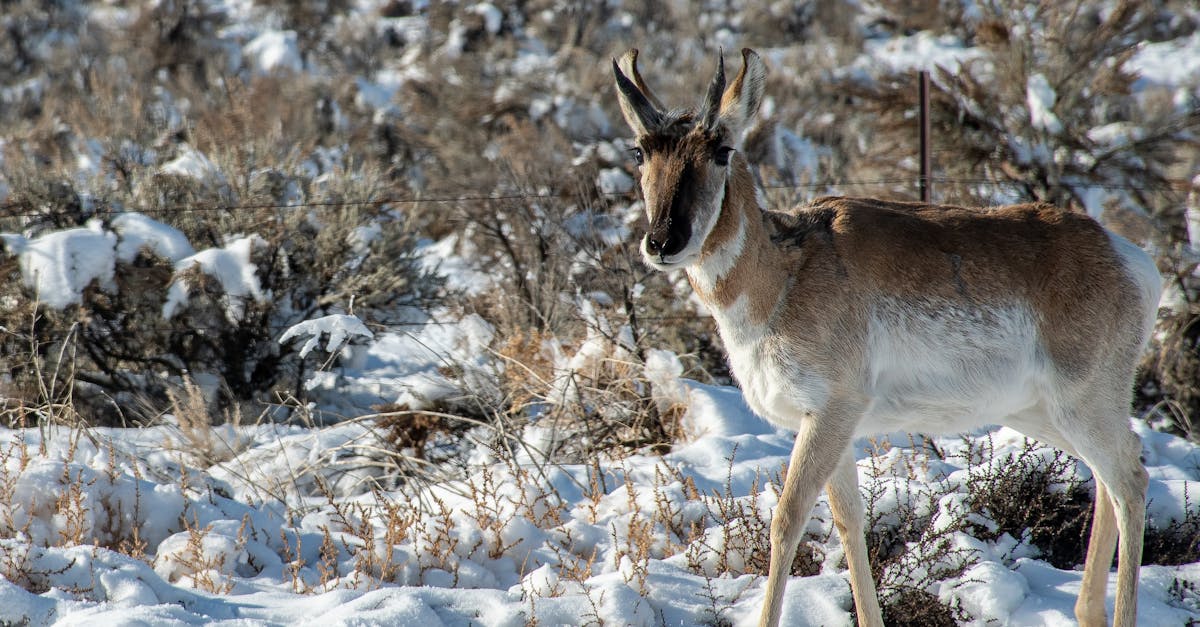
<point>604,406</point>
<point>528,368</point>
<point>1082,54</point>
<point>912,551</point>
<point>177,36</point>
<point>743,543</point>
<point>1177,542</point>
<point>1168,381</point>
<point>914,607</point>
<point>130,101</point>
<point>408,430</point>
<point>310,263</point>
<point>190,407</point>
<point>1039,499</point>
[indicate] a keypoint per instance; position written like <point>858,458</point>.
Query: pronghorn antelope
<point>856,316</point>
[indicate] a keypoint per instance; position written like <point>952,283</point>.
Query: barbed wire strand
<point>1174,186</point>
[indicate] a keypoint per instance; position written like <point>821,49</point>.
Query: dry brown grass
<point>1168,383</point>
<point>142,95</point>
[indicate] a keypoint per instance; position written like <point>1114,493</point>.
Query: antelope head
<point>685,156</point>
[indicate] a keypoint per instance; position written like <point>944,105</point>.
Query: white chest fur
<point>774,385</point>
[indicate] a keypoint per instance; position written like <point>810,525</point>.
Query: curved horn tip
<point>719,75</point>
<point>710,108</point>
<point>629,59</point>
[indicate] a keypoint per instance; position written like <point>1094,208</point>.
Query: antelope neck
<point>734,273</point>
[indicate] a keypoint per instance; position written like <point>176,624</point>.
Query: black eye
<point>638,157</point>
<point>722,156</point>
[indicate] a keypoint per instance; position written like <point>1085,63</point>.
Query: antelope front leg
<point>820,443</point>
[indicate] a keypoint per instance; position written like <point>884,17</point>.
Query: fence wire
<point>1175,186</point>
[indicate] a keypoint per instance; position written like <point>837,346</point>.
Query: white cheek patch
<point>710,270</point>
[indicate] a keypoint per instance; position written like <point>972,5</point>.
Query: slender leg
<point>1089,608</point>
<point>819,445</point>
<point>1130,505</point>
<point>846,503</point>
<point>1121,499</point>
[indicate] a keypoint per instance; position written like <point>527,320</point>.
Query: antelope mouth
<point>664,261</point>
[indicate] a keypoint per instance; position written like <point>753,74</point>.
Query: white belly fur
<point>949,368</point>
<point>937,370</point>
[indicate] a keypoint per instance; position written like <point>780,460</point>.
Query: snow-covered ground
<point>272,524</point>
<point>515,543</point>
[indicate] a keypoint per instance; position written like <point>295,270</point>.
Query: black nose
<point>665,243</point>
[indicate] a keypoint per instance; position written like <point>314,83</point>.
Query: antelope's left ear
<point>744,95</point>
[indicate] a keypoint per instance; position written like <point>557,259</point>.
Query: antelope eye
<point>722,156</point>
<point>638,157</point>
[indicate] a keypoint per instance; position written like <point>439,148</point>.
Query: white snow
<point>231,266</point>
<point>1040,98</point>
<point>1171,63</point>
<point>274,51</point>
<point>59,265</point>
<point>194,164</point>
<point>1192,215</point>
<point>920,51</point>
<point>545,518</point>
<point>340,328</point>
<point>374,95</point>
<point>614,181</point>
<point>492,16</point>
<point>137,232</point>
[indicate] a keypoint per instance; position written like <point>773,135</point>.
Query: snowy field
<point>513,544</point>
<point>303,524</point>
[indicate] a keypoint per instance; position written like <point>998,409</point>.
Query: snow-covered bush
<point>219,194</point>
<point>1048,105</point>
<point>115,311</point>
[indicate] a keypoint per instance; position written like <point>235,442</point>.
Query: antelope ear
<point>745,93</point>
<point>639,110</point>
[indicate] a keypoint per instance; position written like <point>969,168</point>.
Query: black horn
<point>635,101</point>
